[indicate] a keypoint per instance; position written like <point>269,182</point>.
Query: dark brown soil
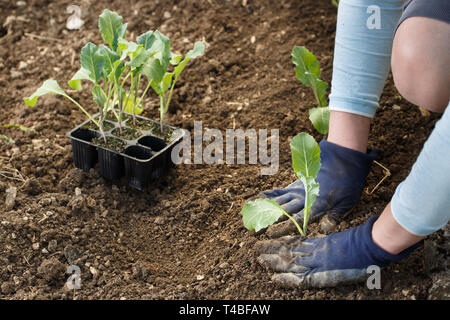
<point>165,134</point>
<point>182,238</point>
<point>106,126</point>
<point>111,143</point>
<point>142,124</point>
<point>127,133</point>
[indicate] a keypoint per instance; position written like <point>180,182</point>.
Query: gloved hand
<point>333,260</point>
<point>341,177</point>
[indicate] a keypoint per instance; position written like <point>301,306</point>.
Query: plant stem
<point>295,222</point>
<point>161,111</point>
<point>136,88</point>
<point>106,108</point>
<point>316,93</point>
<point>102,131</point>
<point>171,90</point>
<point>306,211</point>
<point>120,111</point>
<point>82,109</point>
<point>145,91</point>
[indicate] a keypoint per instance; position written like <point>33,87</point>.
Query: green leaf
<point>311,194</point>
<point>199,50</point>
<point>166,83</point>
<point>128,105</point>
<point>110,58</point>
<point>17,126</point>
<point>49,86</point>
<point>175,58</point>
<point>111,27</point>
<point>146,39</point>
<point>307,70</point>
<point>306,64</point>
<point>120,34</point>
<point>153,70</point>
<point>260,213</point>
<point>116,72</point>
<point>160,49</point>
<point>128,48</point>
<point>93,61</point>
<point>138,61</point>
<point>99,95</point>
<point>82,74</point>
<point>320,118</point>
<point>321,87</point>
<point>305,155</point>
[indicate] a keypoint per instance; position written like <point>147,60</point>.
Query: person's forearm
<point>389,235</point>
<point>349,130</point>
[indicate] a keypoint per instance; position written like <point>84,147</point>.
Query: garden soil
<point>181,238</point>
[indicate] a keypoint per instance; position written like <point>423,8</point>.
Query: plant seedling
<point>156,69</point>
<point>261,213</point>
<point>307,70</point>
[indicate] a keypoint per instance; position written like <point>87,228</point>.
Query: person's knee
<point>421,63</point>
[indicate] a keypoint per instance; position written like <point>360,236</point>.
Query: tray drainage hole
<point>138,152</point>
<point>85,134</point>
<point>153,143</point>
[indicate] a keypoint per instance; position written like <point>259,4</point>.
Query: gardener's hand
<point>341,177</point>
<point>326,262</point>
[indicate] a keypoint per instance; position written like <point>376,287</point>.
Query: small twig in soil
<point>26,260</point>
<point>387,173</point>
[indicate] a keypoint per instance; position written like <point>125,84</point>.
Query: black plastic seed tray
<point>143,159</point>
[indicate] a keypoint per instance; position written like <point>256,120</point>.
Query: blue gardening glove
<point>341,177</point>
<point>336,259</point>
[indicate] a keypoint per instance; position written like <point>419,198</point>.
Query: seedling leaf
<point>111,28</point>
<point>17,126</point>
<point>199,50</point>
<point>260,213</point>
<point>110,58</point>
<point>93,61</point>
<point>153,70</point>
<point>82,74</point>
<point>129,106</point>
<point>98,95</point>
<point>49,86</point>
<point>305,155</point>
<point>146,39</point>
<point>320,118</point>
<point>306,164</point>
<point>307,70</point>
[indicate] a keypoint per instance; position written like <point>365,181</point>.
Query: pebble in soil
<point>127,133</point>
<point>111,143</point>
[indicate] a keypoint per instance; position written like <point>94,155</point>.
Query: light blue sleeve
<point>362,52</point>
<point>421,203</point>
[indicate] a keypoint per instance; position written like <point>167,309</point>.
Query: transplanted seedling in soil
<point>261,213</point>
<point>307,70</point>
